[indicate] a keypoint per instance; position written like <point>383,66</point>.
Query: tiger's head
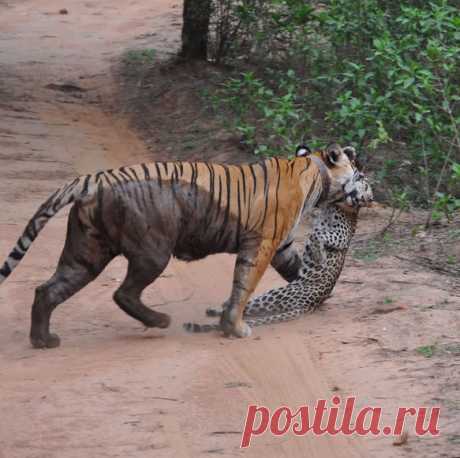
<point>347,184</point>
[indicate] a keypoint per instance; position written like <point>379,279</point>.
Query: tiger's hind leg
<point>83,258</point>
<point>142,271</point>
<point>68,280</point>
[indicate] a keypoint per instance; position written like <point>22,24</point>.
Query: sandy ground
<point>112,388</point>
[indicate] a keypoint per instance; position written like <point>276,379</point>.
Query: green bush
<point>269,123</point>
<point>379,74</point>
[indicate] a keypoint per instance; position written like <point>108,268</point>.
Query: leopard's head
<point>347,184</point>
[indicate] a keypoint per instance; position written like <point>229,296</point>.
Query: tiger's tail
<point>80,187</point>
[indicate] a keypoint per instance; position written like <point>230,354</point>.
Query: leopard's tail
<point>78,188</point>
<point>252,322</point>
<point>196,327</point>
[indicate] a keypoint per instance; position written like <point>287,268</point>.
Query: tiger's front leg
<point>286,261</point>
<point>251,263</point>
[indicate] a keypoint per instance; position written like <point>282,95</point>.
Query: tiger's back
<point>198,209</point>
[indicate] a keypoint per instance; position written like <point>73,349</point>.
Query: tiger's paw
<point>157,320</point>
<point>48,341</point>
<point>238,329</point>
<point>242,330</point>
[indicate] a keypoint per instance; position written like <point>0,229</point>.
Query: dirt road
<point>112,388</point>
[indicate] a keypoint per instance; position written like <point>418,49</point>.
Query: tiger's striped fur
<point>150,212</point>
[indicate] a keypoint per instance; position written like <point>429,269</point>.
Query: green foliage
<point>426,350</point>
<point>140,56</point>
<point>276,119</point>
<point>446,204</point>
<point>399,200</point>
<point>368,253</point>
<point>379,74</point>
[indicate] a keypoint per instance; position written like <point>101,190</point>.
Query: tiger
<point>150,212</point>
<point>323,258</point>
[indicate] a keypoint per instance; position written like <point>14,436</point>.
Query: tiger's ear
<point>302,151</point>
<point>332,153</point>
<point>350,152</point>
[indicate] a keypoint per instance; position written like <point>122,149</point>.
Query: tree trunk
<point>195,29</point>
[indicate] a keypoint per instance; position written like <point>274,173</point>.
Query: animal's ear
<point>350,152</point>
<point>332,153</point>
<point>302,151</point>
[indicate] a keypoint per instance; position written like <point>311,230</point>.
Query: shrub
<point>379,74</point>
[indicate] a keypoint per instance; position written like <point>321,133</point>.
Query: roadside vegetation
<point>381,75</point>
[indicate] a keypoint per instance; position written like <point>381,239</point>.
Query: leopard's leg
<point>291,296</point>
<point>314,252</point>
<point>251,322</point>
<point>285,304</point>
<point>280,304</point>
<point>289,265</point>
<point>279,299</point>
<point>274,300</point>
<point>83,258</point>
<point>276,318</point>
<point>251,263</point>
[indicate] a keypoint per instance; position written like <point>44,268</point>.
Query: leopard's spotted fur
<point>323,258</point>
